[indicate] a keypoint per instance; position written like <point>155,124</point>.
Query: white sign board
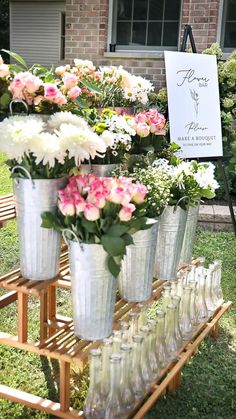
<point>194,104</point>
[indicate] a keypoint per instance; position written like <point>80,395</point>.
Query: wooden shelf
<point>7,209</point>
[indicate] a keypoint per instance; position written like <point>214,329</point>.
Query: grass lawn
<point>208,387</point>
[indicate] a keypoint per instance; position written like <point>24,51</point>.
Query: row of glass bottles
<point>131,360</point>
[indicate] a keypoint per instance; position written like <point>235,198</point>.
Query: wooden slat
<point>38,403</point>
<point>22,317</point>
<point>64,386</point>
<point>8,298</point>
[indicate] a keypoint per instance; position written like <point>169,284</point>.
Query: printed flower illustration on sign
<point>195,97</point>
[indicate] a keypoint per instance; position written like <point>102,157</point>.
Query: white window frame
<point>221,27</point>
<point>127,50</point>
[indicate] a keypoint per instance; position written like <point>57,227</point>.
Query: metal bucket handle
<point>18,101</point>
<point>181,199</point>
<point>26,172</point>
<point>68,230</point>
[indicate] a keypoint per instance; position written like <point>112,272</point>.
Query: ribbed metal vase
<point>100,170</point>
<point>136,276</point>
<point>189,235</point>
<point>93,291</point>
<point>39,247</point>
<point>169,242</point>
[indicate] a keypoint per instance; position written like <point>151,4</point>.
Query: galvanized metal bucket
<point>39,247</point>
<point>136,276</point>
<point>189,235</point>
<point>93,291</point>
<point>100,170</point>
<point>169,242</point>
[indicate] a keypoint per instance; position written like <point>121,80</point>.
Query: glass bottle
<point>176,302</point>
<point>218,267</point>
<point>171,343</point>
<point>147,373</point>
<point>209,273</point>
<point>117,340</point>
<point>181,283</point>
<point>138,383</point>
<point>186,324</point>
<point>133,320</point>
<point>166,297</point>
<point>94,402</point>
<point>201,308</point>
<point>173,287</point>
<point>124,326</point>
<point>191,274</point>
<point>201,260</point>
<point>161,350</point>
<point>106,349</point>
<point>142,315</point>
<point>127,393</point>
<point>152,324</point>
<point>193,286</point>
<point>114,406</point>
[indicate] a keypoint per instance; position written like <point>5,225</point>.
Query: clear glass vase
<point>127,393</point>
<point>147,373</point>
<point>209,297</point>
<point>152,324</point>
<point>133,321</point>
<point>124,327</point>
<point>142,317</point>
<point>217,281</point>
<point>117,340</point>
<point>176,302</point>
<point>106,349</point>
<point>171,342</point>
<point>166,297</point>
<point>94,402</point>
<point>138,383</point>
<point>173,287</point>
<point>201,308</point>
<point>186,324</point>
<point>114,406</point>
<point>161,350</point>
<point>193,313</point>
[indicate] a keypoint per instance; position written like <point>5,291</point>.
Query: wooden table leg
<point>64,385</point>
<point>22,317</point>
<point>43,315</point>
<point>51,307</point>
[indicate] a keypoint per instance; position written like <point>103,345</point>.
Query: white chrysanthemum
<point>46,149</point>
<point>60,118</point>
<point>108,137</point>
<point>16,134</point>
<point>205,177</point>
<point>81,143</point>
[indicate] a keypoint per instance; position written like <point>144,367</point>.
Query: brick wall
<point>86,34</point>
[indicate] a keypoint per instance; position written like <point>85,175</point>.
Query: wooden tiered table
<point>57,339</point>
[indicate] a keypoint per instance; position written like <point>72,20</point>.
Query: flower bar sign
<point>194,104</point>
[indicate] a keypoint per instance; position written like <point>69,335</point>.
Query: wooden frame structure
<point>57,339</point>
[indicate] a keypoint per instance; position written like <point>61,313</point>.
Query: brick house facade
<point>87,35</point>
<point>57,31</point>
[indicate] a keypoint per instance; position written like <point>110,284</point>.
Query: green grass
<point>208,381</point>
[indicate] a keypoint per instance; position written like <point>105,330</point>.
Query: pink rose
<point>51,91</point>
<point>32,83</point>
<point>120,195</point>
<point>71,188</point>
<point>67,206</point>
<point>142,129</point>
<point>97,198</point>
<point>60,99</point>
<point>125,213</point>
<point>139,193</point>
<point>79,204</point>
<point>74,92</point>
<point>81,182</point>
<point>69,80</point>
<point>141,117</point>
<point>91,212</point>
<point>4,71</point>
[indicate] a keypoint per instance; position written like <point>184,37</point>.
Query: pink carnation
<point>126,212</point>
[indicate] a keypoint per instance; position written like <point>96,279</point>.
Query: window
<point>229,26</point>
<point>146,24</point>
<point>63,35</point>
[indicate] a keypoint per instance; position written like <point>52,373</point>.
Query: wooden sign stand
<point>219,160</point>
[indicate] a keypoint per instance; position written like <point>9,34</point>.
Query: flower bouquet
<point>40,157</point>
<point>99,217</point>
